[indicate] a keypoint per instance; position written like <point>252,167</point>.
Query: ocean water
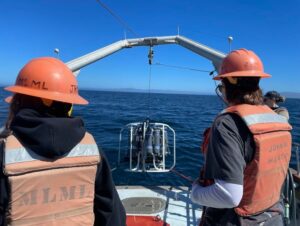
<point>188,115</point>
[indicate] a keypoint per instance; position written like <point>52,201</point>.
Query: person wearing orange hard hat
<point>247,151</point>
<point>52,171</point>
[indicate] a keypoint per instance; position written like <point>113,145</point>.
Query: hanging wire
<point>149,90</point>
<point>181,67</point>
<point>150,59</point>
<point>118,18</point>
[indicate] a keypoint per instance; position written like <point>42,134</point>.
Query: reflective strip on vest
<point>19,155</point>
<point>259,119</point>
<point>51,191</point>
<point>265,174</point>
<point>264,118</point>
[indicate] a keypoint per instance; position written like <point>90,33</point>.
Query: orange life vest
<point>265,174</point>
<point>204,147</point>
<point>51,192</point>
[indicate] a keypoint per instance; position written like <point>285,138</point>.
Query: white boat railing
<point>295,147</point>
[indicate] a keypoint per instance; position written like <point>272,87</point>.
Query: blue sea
<point>188,115</point>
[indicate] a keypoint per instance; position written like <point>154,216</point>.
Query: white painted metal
<point>130,156</point>
<point>164,149</point>
<point>179,210</point>
<point>209,53</point>
<point>198,48</point>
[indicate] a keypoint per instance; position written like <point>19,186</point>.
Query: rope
<point>182,176</point>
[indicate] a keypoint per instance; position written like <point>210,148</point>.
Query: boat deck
<point>170,204</point>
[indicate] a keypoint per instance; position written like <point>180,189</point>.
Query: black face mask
<point>59,109</point>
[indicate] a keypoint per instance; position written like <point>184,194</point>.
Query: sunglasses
<point>220,89</point>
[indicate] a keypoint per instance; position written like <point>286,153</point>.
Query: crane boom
<point>209,53</point>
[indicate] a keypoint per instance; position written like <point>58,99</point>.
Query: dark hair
<point>20,101</point>
<point>245,91</point>
<point>275,96</point>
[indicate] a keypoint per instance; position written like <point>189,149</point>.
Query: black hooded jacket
<point>53,137</point>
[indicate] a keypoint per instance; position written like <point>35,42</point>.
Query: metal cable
<point>118,18</point>
<point>149,90</point>
<point>181,67</point>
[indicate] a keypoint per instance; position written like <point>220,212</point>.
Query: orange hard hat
<point>242,63</point>
<point>48,78</point>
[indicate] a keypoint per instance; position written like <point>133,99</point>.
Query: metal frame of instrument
<point>211,54</point>
<point>141,166</point>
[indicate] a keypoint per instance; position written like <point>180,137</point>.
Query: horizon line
<point>294,95</point>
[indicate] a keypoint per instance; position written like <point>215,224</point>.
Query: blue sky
<point>33,28</point>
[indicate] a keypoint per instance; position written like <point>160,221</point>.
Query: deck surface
<point>171,204</point>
